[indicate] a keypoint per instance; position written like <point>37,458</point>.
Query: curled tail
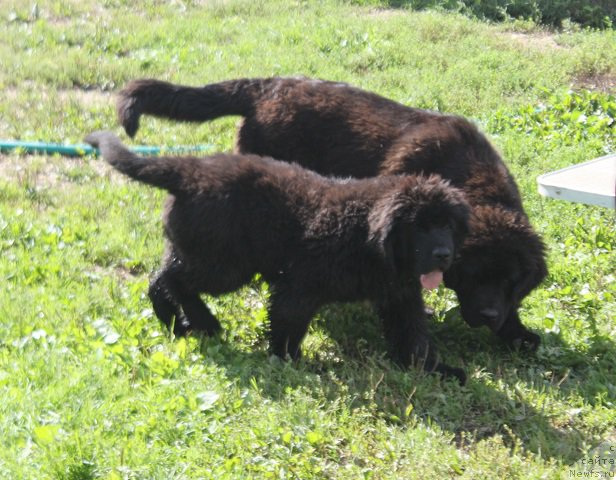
<point>178,102</point>
<point>162,172</point>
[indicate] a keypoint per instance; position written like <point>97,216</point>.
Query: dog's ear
<point>399,247</point>
<point>461,215</point>
<point>531,279</point>
<point>390,235</point>
<point>532,260</point>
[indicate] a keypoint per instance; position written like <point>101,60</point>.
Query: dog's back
<point>335,129</point>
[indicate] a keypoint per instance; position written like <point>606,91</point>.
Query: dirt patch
<point>121,272</point>
<point>385,12</point>
<point>87,98</point>
<point>41,172</point>
<point>603,82</point>
<point>84,97</point>
<point>536,41</point>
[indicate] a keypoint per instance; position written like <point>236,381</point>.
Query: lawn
<point>92,387</point>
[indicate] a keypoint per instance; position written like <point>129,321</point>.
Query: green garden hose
<point>81,150</point>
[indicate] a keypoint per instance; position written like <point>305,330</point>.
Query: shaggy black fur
<point>315,240</point>
<point>336,129</point>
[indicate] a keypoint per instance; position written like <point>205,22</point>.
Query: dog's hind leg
<point>172,297</point>
<point>165,305</point>
<point>289,317</point>
<point>199,316</point>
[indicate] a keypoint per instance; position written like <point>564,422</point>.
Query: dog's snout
<point>489,315</point>
<point>442,254</point>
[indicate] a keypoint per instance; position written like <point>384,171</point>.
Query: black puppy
<point>336,129</point>
<point>315,240</point>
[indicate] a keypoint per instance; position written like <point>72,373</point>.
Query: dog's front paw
<point>518,337</point>
<point>451,372</point>
<point>181,328</point>
<point>205,323</point>
<point>528,342</point>
<point>286,355</point>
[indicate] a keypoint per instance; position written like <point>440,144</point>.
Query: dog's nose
<point>489,315</point>
<point>442,254</point>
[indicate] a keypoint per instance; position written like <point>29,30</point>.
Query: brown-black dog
<point>335,129</point>
<point>315,240</point>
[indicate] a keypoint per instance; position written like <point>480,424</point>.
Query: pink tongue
<point>431,280</point>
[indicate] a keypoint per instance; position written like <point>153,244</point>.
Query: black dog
<point>336,129</point>
<point>315,240</point>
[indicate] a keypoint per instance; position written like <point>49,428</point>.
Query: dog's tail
<point>178,102</point>
<point>162,172</point>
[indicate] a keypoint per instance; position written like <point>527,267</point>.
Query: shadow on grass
<point>526,399</point>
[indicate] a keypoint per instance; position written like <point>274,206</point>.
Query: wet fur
<point>335,129</point>
<point>315,240</point>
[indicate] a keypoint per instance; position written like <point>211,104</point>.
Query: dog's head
<point>500,263</point>
<point>418,227</point>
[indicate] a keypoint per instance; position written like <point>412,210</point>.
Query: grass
<point>91,385</point>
